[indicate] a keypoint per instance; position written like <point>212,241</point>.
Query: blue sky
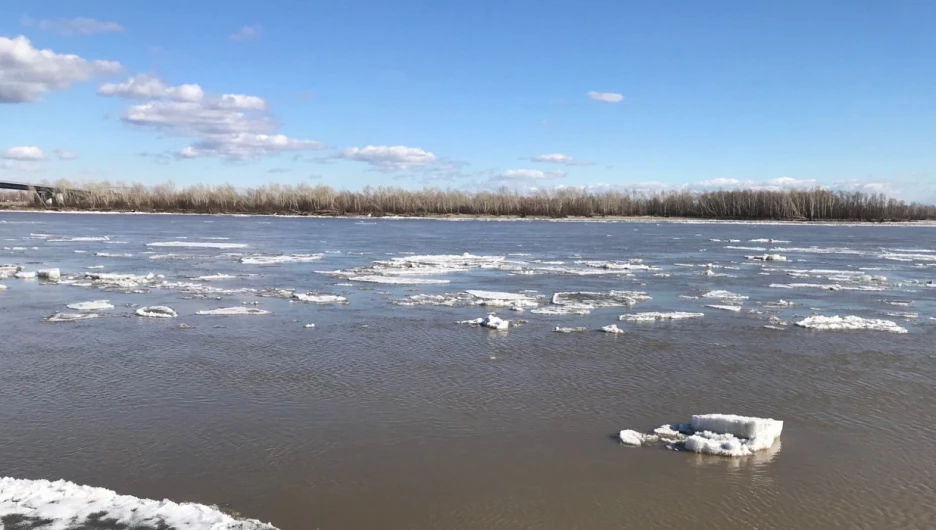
<point>473,95</point>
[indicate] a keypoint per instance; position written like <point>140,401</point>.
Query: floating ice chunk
<point>276,260</point>
<point>571,309</point>
<point>613,329</point>
<point>752,249</point>
<point>494,295</point>
<point>61,505</point>
<point>309,326</point>
<point>654,316</point>
<point>725,296</point>
<point>903,314</point>
<point>494,322</point>
<point>214,277</point>
<point>849,323</point>
<point>79,239</point>
<point>396,280</point>
<point>195,244</point>
<point>233,311</point>
<point>568,330</point>
<point>319,298</point>
<point>765,240</point>
<point>767,257</point>
<point>157,311</point>
<point>112,255</point>
<point>740,426</point>
<point>733,308</point>
<point>634,438</point>
<point>899,303</point>
<point>25,275</point>
<point>600,299</point>
<point>632,265</point>
<point>2,287</point>
<point>70,317</point>
<point>49,274</point>
<point>93,305</point>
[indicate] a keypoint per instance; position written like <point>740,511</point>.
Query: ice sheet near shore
<point>93,305</point>
<point>849,323</point>
<point>157,311</point>
<point>195,244</point>
<point>62,505</point>
<point>656,317</point>
<point>714,434</point>
<point>278,260</point>
<point>233,311</point>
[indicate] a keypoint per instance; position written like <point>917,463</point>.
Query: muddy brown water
<point>394,417</point>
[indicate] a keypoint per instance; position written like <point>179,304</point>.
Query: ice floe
<point>655,316</point>
<point>214,277</point>
<point>849,323</point>
<point>909,315</point>
<point>631,265</point>
<point>25,275</point>
<point>500,299</point>
<point>93,305</point>
<point>726,296</point>
<point>732,308</point>
<point>899,303</point>
<point>62,505</point>
<point>714,434</point>
<point>593,299</point>
<point>396,280</point>
<point>113,255</point>
<point>81,239</point>
<point>558,310</point>
<point>233,311</point>
<point>827,287</point>
<point>157,311</point>
<point>277,260</point>
<point>612,328</point>
<point>490,321</point>
<point>766,257</point>
<point>49,274</point>
<point>309,326</point>
<point>196,244</point>
<point>319,298</point>
<point>71,317</point>
<point>560,329</point>
<point>765,240</point>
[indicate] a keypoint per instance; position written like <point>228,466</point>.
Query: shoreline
<point>499,218</point>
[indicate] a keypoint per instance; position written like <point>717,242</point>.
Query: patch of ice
<point>655,317</point>
<point>49,274</point>
<point>490,321</point>
<point>2,287</point>
<point>765,240</point>
<point>634,438</point>
<point>112,255</point>
<point>157,311</point>
<point>903,314</point>
<point>196,244</point>
<point>277,260</point>
<point>93,305</point>
<point>826,287</point>
<point>733,308</point>
<point>767,257</point>
<point>613,329</point>
<point>214,277</point>
<point>25,275</point>
<point>560,329</point>
<point>752,249</point>
<point>396,280</point>
<point>849,323</point>
<point>233,311</point>
<point>570,309</point>
<point>632,265</point>
<point>899,303</point>
<point>61,505</point>
<point>594,299</point>
<point>79,239</point>
<point>309,326</point>
<point>70,317</point>
<point>319,298</point>
<point>725,296</point>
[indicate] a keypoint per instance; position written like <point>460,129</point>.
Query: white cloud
<point>607,97</point>
<point>143,86</point>
<point>229,126</point>
<point>26,72</point>
<point>554,158</point>
<point>530,174</point>
<point>74,26</point>
<point>62,154</point>
<point>247,33</point>
<point>389,158</point>
<point>23,153</point>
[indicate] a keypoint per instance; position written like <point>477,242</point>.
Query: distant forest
<point>791,205</point>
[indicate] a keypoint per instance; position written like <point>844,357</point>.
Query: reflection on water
<point>395,417</point>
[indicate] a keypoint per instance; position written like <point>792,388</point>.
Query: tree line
<point>302,199</point>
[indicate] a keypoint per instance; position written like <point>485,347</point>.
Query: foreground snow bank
<point>849,323</point>
<point>63,505</point>
<point>714,434</point>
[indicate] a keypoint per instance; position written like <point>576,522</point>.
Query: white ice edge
<point>714,434</point>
